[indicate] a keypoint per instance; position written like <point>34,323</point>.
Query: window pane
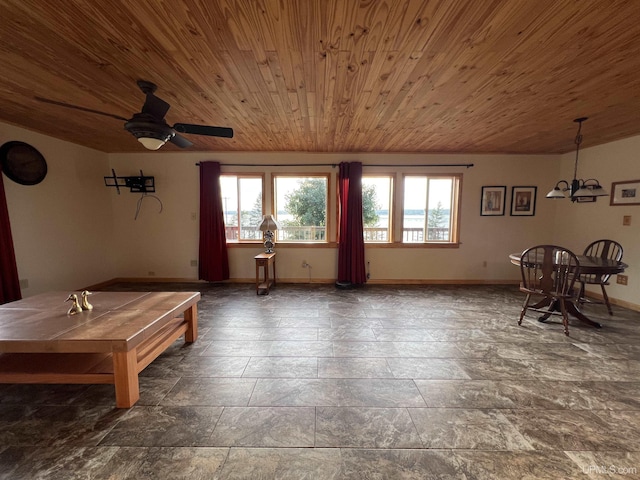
<point>428,206</point>
<point>250,196</point>
<point>439,220</point>
<point>301,208</point>
<point>376,208</point>
<point>242,207</point>
<point>413,215</point>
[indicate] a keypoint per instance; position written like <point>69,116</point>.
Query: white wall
<point>577,224</point>
<point>165,243</point>
<point>71,230</point>
<point>63,227</point>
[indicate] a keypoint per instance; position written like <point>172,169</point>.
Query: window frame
<point>328,205</point>
<point>239,176</point>
<point>456,205</point>
<point>392,202</point>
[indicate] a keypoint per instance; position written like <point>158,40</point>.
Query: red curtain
<point>9,283</point>
<point>351,268</point>
<point>214,261</point>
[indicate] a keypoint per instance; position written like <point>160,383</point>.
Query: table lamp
<point>268,225</point>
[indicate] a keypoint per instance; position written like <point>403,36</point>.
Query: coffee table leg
<point>191,317</point>
<point>125,372</point>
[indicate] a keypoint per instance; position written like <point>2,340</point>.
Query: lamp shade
<point>556,193</point>
<point>268,224</point>
<point>583,191</point>
<point>599,191</point>
<point>151,143</point>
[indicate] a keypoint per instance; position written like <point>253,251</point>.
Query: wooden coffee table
<point>111,344</point>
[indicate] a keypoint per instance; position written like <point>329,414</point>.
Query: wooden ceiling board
<point>464,76</point>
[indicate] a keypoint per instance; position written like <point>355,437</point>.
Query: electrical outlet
<point>194,263</point>
<point>622,279</point>
<point>626,220</point>
<point>305,264</point>
<point>151,274</point>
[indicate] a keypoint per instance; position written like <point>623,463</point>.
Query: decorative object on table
<point>268,225</point>
<point>75,306</point>
<point>523,201</point>
<point>85,300</point>
<point>22,163</point>
<point>578,188</point>
<point>492,200</point>
<point>625,193</point>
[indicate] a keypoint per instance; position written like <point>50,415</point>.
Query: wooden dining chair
<point>550,272</point>
<point>610,250</point>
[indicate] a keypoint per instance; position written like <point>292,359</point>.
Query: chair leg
<point>565,316</point>
<point>606,299</point>
<point>524,308</point>
<point>581,298</point>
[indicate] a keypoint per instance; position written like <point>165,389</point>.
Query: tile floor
<point>382,382</point>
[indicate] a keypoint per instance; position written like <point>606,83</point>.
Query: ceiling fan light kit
<point>578,188</point>
<point>152,143</point>
<point>148,133</point>
<point>149,125</point>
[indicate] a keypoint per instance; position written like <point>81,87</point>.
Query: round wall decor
<point>22,163</point>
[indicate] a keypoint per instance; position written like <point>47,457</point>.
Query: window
<point>430,211</point>
<point>376,208</point>
<point>242,206</point>
<point>300,206</point>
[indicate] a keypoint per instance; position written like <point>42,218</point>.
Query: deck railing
<point>409,235</point>
<point>284,234</point>
<point>318,234</point>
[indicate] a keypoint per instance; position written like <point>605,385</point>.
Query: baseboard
<point>113,281</point>
<point>330,281</point>
<point>404,281</point>
<point>327,281</point>
<point>614,301</point>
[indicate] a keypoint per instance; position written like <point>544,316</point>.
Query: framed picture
<point>492,201</point>
<point>625,193</point>
<point>523,201</point>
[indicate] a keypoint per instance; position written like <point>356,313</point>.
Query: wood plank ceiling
<point>329,75</point>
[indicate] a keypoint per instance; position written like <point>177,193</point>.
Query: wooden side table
<point>264,260</point>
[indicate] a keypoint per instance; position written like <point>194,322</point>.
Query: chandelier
<point>578,188</point>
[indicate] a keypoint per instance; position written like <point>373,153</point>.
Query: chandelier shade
<point>577,188</point>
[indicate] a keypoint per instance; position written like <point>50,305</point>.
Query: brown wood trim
<point>154,346</point>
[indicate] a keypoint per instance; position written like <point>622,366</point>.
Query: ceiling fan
<point>149,125</point>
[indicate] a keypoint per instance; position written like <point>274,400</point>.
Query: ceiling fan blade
<point>180,141</point>
<point>77,107</point>
<point>155,106</point>
<point>203,130</point>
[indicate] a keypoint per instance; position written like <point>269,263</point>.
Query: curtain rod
<point>334,165</point>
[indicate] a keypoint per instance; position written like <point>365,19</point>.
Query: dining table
<point>588,265</point>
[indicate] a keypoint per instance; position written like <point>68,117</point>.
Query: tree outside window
<point>376,208</point>
<point>301,208</point>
